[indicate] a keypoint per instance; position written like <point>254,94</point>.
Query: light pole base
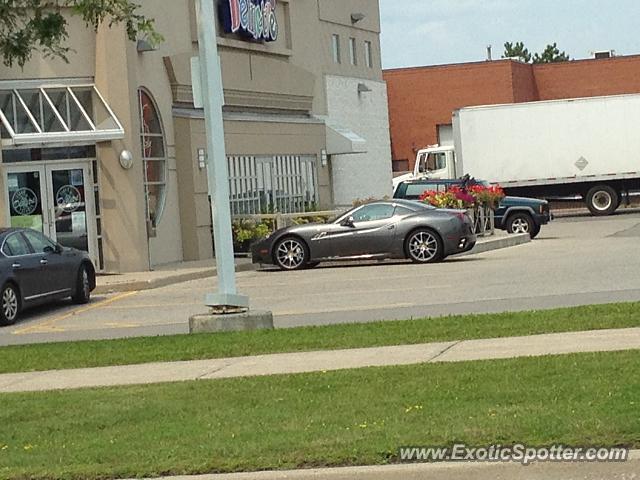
<point>231,322</point>
<point>227,301</point>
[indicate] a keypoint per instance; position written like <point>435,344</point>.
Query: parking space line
<point>48,325</point>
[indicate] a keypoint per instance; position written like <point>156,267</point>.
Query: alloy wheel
<point>9,304</point>
<point>290,254</point>
<point>520,225</point>
<point>423,246</point>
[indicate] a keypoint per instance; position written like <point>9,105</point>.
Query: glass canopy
<point>55,114</point>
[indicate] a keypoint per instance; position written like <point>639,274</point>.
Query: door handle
<point>44,262</point>
<point>391,227</point>
<point>16,266</point>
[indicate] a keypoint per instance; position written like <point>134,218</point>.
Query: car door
<point>372,231</point>
<point>25,267</point>
<point>56,266</point>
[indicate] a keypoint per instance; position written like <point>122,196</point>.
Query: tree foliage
<point>516,50</point>
<point>550,54</point>
<point>28,26</point>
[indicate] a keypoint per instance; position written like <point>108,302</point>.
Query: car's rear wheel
<point>424,246</point>
<point>10,306</point>
<point>82,293</point>
<point>291,253</point>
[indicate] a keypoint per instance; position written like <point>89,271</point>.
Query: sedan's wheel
<point>83,287</point>
<point>291,254</point>
<point>424,246</point>
<point>520,223</point>
<point>10,305</point>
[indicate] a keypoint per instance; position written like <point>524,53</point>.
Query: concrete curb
<point>497,243</point>
<point>449,471</point>
<point>169,279</point>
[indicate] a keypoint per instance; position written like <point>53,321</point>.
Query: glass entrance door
<point>56,200</point>
<point>68,199</point>
<point>25,202</point>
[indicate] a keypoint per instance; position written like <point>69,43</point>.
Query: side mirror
<point>348,222</point>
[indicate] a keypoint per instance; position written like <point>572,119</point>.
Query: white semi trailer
<point>587,147</point>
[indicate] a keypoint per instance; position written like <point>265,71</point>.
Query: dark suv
<point>514,214</point>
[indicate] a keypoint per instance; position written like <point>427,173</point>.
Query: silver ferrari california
<point>377,230</point>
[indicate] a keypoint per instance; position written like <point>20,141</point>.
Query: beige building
<point>106,153</point>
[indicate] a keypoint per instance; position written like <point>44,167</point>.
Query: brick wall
<point>422,98</point>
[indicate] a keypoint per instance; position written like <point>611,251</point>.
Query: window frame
<point>335,49</point>
<point>368,53</point>
<point>353,51</point>
<point>162,162</point>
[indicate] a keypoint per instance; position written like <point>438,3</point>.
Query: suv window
<point>15,246</point>
<point>377,211</point>
<point>414,190</point>
<point>39,242</point>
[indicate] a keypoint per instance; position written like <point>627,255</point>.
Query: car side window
<point>39,242</point>
<point>15,246</point>
<point>377,211</point>
<point>402,211</point>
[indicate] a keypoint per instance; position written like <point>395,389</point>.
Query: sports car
<point>377,230</point>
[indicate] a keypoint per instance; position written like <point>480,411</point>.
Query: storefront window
<point>154,157</point>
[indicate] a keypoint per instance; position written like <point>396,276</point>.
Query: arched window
<point>154,156</point>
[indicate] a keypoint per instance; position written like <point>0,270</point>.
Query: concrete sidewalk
<point>452,471</point>
<point>187,271</point>
<point>304,362</point>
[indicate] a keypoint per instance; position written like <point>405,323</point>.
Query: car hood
<point>509,201</point>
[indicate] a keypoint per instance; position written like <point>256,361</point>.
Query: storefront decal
<point>24,201</point>
<point>69,198</point>
<point>255,19</point>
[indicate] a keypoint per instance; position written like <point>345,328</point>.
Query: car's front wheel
<point>424,246</point>
<point>82,293</point>
<point>10,307</point>
<point>291,253</point>
<point>521,223</point>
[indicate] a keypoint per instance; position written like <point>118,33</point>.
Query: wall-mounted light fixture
<point>324,158</point>
<point>357,17</point>
<point>145,46</point>
<point>202,158</point>
<point>126,159</point>
<point>362,88</point>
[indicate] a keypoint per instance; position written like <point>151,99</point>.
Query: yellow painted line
<point>44,326</point>
<point>154,305</point>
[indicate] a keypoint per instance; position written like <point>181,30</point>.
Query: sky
<point>432,32</point>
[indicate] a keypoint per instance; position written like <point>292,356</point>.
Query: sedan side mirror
<point>348,222</point>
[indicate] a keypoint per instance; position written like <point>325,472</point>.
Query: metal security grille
<point>261,184</point>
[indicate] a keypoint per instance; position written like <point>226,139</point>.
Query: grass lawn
<point>207,346</point>
<point>351,417</point>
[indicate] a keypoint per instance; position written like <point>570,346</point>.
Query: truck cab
<point>434,161</point>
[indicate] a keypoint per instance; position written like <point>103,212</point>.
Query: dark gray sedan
<point>35,270</point>
<point>377,230</point>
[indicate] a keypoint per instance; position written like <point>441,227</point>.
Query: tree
<point>550,54</point>
<point>28,26</point>
<point>516,51</point>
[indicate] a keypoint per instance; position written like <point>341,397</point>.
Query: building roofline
<point>480,63</point>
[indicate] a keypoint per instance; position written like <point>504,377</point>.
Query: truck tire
<point>602,200</point>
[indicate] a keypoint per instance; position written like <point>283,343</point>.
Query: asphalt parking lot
<point>575,261</point>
